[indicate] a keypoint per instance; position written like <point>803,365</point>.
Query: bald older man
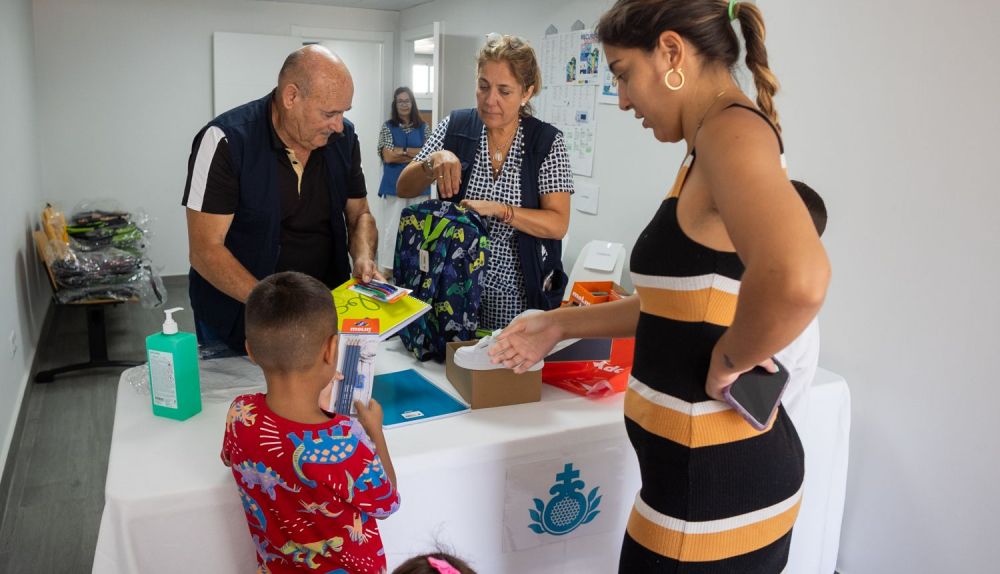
<point>276,185</point>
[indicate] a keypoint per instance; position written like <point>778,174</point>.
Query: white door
<point>457,71</point>
<point>368,110</point>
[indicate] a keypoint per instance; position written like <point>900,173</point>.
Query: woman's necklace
<point>709,108</point>
<point>705,115</point>
<point>500,152</point>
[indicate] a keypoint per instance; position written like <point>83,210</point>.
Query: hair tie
<point>732,10</point>
<point>442,566</point>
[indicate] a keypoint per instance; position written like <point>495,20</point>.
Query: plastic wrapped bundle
<point>101,224</point>
<point>98,255</point>
<point>144,285</point>
<point>79,269</point>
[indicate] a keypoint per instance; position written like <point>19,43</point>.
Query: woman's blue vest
<point>541,259</point>
<point>390,171</point>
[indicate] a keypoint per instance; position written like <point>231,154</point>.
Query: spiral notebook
<point>407,397</point>
<point>391,317</point>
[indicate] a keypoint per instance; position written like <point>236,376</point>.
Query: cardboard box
<point>496,388</point>
<point>594,292</point>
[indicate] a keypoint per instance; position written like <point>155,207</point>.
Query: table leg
<point>97,342</point>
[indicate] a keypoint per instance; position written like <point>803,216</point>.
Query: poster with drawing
<point>571,59</point>
<point>590,57</point>
<point>571,73</point>
<point>609,88</point>
<point>573,109</point>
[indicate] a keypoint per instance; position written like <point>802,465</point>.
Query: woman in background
<point>399,141</point>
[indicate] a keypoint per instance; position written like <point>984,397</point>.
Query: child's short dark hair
<point>421,564</point>
<point>815,204</point>
<point>289,317</point>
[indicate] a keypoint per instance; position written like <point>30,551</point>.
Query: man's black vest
<point>254,237</point>
<point>541,259</point>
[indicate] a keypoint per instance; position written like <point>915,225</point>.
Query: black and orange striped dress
<point>717,495</point>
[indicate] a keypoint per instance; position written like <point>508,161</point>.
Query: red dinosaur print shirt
<point>311,492</point>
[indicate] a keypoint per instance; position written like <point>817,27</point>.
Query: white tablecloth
<point>170,505</point>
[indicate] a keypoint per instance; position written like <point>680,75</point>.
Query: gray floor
<point>53,509</point>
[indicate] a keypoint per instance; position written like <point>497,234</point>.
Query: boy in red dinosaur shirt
<point>312,484</point>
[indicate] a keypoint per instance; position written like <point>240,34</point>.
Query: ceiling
<point>394,5</point>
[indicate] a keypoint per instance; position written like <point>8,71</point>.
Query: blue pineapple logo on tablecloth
<point>568,509</point>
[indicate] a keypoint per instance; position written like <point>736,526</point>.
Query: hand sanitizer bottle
<point>173,371</point>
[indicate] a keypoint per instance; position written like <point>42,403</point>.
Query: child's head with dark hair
<point>434,563</point>
<point>290,320</point>
<point>814,203</point>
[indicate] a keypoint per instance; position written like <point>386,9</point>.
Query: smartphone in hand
<point>756,394</point>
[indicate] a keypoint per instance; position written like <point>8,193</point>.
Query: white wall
<point>890,113</point>
<point>22,282</point>
<point>124,85</point>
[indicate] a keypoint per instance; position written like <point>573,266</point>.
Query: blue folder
<point>408,397</point>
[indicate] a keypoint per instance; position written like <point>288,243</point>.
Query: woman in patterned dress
<point>728,272</point>
<point>513,170</point>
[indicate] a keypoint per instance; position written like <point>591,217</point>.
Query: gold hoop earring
<point>666,79</point>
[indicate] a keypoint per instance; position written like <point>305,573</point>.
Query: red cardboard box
<point>591,367</point>
<point>594,292</point>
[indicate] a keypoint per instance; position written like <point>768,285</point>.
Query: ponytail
<point>752,26</point>
<point>707,24</point>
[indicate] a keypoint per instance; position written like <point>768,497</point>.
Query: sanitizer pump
<point>173,371</point>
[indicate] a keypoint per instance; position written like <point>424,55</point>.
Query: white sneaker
<point>477,357</point>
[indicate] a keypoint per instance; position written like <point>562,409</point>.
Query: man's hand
<point>365,270</point>
<point>212,259</point>
<point>225,458</point>
<point>362,239</point>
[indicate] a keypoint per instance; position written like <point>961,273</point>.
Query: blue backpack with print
<point>442,252</point>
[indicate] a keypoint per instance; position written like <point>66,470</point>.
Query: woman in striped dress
<point>728,272</point>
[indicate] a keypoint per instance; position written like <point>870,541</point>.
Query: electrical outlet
<point>13,344</point>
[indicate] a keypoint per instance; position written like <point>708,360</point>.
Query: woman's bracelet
<point>508,213</point>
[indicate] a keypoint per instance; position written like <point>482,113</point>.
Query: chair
<point>597,261</point>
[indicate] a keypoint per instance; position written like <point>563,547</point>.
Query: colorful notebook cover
<point>408,397</point>
<point>391,316</point>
